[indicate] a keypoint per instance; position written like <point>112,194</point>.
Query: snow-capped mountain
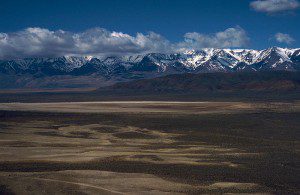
<point>58,65</point>
<point>205,60</point>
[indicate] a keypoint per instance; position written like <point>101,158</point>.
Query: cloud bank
<point>284,38</point>
<point>275,6</point>
<point>40,42</point>
<point>231,37</point>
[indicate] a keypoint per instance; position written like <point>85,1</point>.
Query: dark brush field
<point>150,148</point>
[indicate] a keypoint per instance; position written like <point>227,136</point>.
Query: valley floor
<point>146,147</point>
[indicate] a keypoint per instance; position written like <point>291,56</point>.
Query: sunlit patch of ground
<point>151,107</point>
<point>95,182</point>
<point>83,142</point>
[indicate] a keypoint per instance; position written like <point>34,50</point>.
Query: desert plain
<point>150,147</point>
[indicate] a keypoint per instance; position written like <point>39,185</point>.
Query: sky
<point>31,28</point>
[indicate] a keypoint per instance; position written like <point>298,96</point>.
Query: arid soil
<point>149,148</point>
<point>152,107</point>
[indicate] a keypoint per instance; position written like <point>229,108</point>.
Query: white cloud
<point>275,6</point>
<point>40,42</point>
<point>231,37</point>
<point>283,38</point>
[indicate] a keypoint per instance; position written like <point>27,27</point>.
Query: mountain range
<point>93,71</point>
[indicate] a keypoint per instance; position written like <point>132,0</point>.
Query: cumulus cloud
<point>40,42</point>
<point>283,38</point>
<point>231,37</point>
<point>275,6</point>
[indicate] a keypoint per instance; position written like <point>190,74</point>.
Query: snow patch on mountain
<point>207,60</point>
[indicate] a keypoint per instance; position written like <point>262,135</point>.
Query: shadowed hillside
<point>246,81</point>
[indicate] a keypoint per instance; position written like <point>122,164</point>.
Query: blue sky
<point>171,19</point>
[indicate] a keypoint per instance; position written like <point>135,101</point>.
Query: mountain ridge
<point>193,60</point>
<point>92,71</point>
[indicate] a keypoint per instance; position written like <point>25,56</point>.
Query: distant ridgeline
<point>87,71</point>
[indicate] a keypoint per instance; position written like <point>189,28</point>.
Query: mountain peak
<point>201,60</point>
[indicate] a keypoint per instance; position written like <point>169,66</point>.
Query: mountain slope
<point>206,60</point>
<point>243,81</point>
<point>40,72</point>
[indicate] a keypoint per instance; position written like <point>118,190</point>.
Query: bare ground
<point>149,148</point>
